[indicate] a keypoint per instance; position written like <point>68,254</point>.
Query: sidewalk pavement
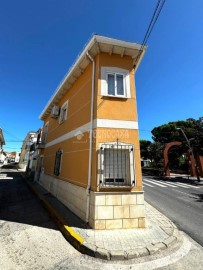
<point>122,244</point>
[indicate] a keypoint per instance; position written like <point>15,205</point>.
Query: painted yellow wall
<point>116,108</point>
<point>79,98</point>
<point>74,167</point>
<point>75,156</point>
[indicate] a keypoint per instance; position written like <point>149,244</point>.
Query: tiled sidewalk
<point>111,244</point>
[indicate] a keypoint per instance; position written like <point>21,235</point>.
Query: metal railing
<point>116,165</point>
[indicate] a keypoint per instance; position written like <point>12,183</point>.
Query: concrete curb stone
<point>92,250</point>
<point>102,254</point>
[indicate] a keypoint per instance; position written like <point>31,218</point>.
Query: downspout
<point>90,145</point>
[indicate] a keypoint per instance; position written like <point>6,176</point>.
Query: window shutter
<point>57,164</point>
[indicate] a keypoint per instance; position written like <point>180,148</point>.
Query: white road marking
<point>152,182</point>
<point>147,185</point>
<point>170,185</point>
<point>181,185</point>
<point>191,186</point>
<point>173,185</point>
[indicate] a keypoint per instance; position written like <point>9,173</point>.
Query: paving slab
<point>119,244</point>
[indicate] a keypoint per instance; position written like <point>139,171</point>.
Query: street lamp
<point>188,143</point>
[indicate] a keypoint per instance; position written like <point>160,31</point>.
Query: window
<point>115,85</point>
<point>116,165</point>
<point>115,82</point>
<point>57,165</point>
<point>63,113</point>
<point>44,133</point>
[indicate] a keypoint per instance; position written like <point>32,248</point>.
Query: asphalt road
<point>29,239</point>
<point>180,200</point>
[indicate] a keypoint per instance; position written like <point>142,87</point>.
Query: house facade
<point>89,146</point>
<point>2,142</point>
<point>25,159</point>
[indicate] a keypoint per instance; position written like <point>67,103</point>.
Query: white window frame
<point>105,71</point>
<point>63,117</point>
<point>132,173</point>
<point>115,84</point>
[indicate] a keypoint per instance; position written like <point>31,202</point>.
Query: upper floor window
<point>115,82</point>
<point>63,112</point>
<point>44,133</point>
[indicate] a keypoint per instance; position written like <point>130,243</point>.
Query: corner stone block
<point>130,223</point>
<point>140,198</point>
<point>141,222</point>
<point>114,224</point>
<point>105,212</point>
<point>100,199</point>
<point>137,211</point>
<point>121,211</point>
<point>99,225</point>
<point>129,199</point>
<point>113,199</point>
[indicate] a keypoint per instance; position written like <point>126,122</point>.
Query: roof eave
<point>93,40</point>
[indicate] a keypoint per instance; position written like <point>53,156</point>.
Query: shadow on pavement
<point>18,203</point>
<point>198,197</point>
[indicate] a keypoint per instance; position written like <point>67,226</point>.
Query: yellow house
<point>90,157</point>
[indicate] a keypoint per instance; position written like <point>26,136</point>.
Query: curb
<point>92,250</point>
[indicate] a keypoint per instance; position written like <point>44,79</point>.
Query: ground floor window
<point>116,165</point>
<point>57,164</point>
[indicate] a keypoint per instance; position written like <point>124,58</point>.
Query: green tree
<point>192,128</point>
<point>152,151</point>
<point>145,149</point>
<point>168,133</point>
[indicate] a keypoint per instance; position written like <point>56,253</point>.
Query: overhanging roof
<point>96,45</point>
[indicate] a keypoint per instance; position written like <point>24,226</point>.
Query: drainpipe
<point>90,145</point>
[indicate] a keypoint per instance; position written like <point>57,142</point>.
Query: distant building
<point>89,147</point>
<point>2,142</point>
<point>13,157</point>
<point>25,160</point>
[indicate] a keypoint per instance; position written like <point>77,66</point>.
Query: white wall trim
<point>98,123</point>
<point>110,123</point>
<point>70,134</point>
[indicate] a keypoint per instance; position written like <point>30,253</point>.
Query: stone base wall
<point>108,210</point>
<point>72,196</point>
<point>117,210</point>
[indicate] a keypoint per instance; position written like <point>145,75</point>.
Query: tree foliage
<point>166,133</point>
<point>169,133</point>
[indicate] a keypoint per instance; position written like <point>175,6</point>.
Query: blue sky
<point>40,40</point>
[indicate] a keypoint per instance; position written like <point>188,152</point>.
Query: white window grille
<point>116,165</point>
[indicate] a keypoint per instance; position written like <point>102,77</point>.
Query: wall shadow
<point>19,204</point>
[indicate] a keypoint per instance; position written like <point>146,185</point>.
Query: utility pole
<point>188,143</point>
